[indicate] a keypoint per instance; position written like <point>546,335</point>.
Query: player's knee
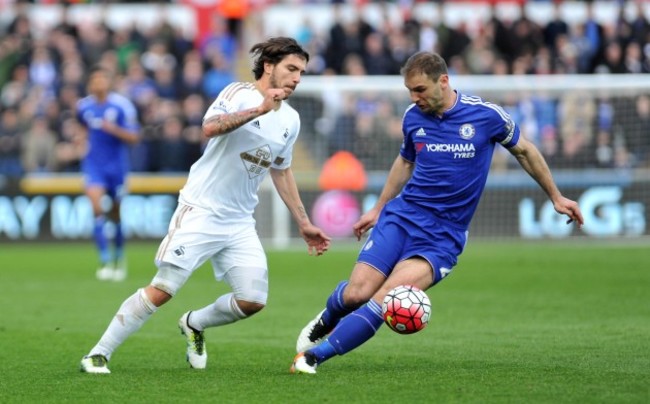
<point>169,279</point>
<point>249,308</point>
<point>157,296</point>
<point>250,288</point>
<point>355,295</point>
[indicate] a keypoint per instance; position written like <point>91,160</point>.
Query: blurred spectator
<point>575,150</point>
<point>173,149</point>
<point>10,130</point>
<point>376,59</point>
<point>353,65</point>
<point>635,125</point>
<point>17,88</point>
<point>400,47</point>
<point>191,81</point>
<point>594,36</point>
<point>576,114</point>
<point>71,146</point>
<point>633,59</point>
<point>612,62</point>
<point>604,150</point>
<point>71,78</point>
<point>164,81</point>
<point>42,70</point>
<point>345,38</point>
<point>526,36</point>
<point>343,130</point>
<point>428,39</point>
<point>480,56</point>
<point>377,134</point>
<point>585,48</point>
<point>94,40</point>
<point>549,146</point>
<point>39,147</point>
<point>125,47</point>
<point>193,110</point>
<point>137,86</point>
<point>157,57</point>
<point>554,28</point>
<point>456,40</point>
<point>217,76</point>
<point>219,40</point>
<point>499,31</point>
<point>68,97</point>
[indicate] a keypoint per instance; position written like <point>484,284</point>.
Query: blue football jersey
<point>106,151</point>
<point>452,155</point>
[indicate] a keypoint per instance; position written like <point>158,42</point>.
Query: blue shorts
<point>404,231</point>
<point>109,178</point>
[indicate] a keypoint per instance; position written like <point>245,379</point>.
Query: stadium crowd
<point>172,79</point>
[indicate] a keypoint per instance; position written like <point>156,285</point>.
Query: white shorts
<point>195,235</point>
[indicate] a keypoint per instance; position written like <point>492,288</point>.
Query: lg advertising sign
<point>605,214</point>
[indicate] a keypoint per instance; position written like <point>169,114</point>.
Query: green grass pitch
<point>516,322</point>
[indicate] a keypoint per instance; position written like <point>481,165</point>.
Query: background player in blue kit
<point>422,217</point>
<point>112,125</point>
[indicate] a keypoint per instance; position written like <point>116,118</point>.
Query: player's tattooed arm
<point>301,213</point>
<point>217,125</point>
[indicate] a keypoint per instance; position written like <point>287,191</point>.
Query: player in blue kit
<point>112,126</point>
<point>422,216</point>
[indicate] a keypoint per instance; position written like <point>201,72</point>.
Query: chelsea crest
<point>467,131</point>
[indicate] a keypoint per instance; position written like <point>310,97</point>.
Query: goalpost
<point>594,131</point>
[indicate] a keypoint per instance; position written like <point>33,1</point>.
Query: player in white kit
<point>252,132</point>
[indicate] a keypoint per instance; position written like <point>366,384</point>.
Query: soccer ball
<point>406,309</point>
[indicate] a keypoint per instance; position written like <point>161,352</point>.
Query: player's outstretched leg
<point>197,355</point>
<point>105,271</point>
<point>353,330</point>
<point>318,328</point>
<point>131,315</point>
<point>97,364</point>
<point>120,271</point>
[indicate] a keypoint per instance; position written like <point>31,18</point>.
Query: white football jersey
<point>226,179</point>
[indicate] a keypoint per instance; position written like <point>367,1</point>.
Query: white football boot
<point>313,334</point>
<point>197,356</point>
<point>304,362</point>
<point>105,273</point>
<point>97,364</point>
<point>119,272</point>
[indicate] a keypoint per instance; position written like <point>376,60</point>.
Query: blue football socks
<point>335,308</point>
<point>353,330</point>
<point>100,239</point>
<point>119,242</point>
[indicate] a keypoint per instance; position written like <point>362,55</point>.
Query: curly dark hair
<point>273,51</point>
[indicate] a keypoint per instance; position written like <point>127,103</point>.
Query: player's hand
<point>272,99</point>
<point>317,241</point>
<point>366,222</point>
<point>570,208</point>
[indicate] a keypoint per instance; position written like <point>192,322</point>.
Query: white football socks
<point>131,315</point>
<point>223,311</point>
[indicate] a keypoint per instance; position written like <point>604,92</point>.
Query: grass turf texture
<point>515,323</point>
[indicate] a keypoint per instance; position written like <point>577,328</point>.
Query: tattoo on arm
<point>301,214</point>
<point>220,124</point>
